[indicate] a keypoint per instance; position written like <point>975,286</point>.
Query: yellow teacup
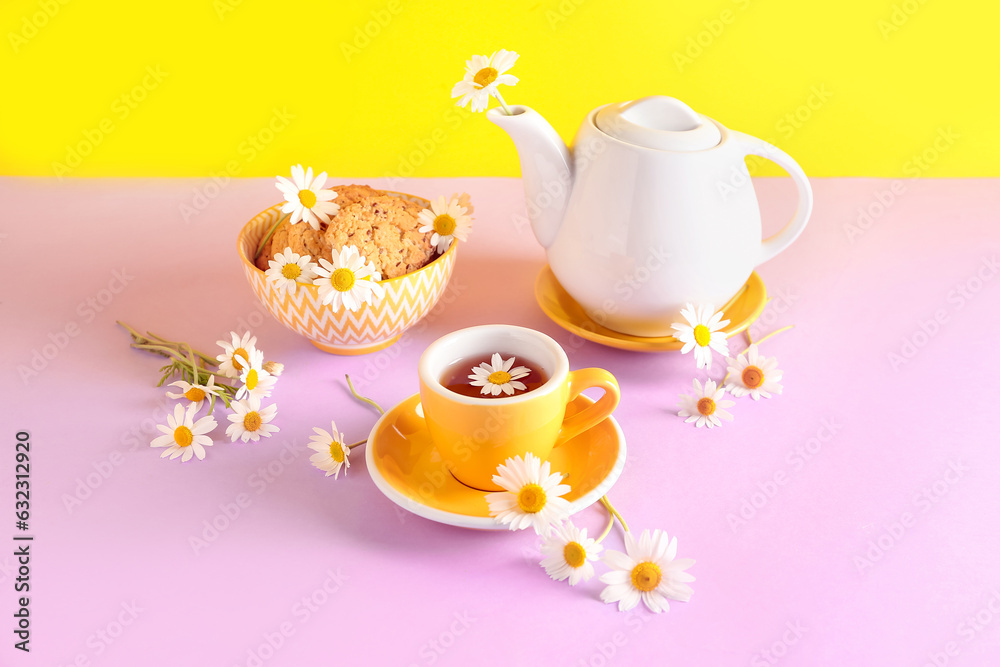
<point>474,435</point>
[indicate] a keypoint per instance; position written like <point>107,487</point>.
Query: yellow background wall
<point>194,87</point>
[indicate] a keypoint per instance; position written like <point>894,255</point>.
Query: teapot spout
<point>546,168</point>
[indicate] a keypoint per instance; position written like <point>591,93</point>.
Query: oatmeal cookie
<point>385,230</point>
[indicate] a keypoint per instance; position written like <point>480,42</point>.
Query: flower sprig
<point>332,453</point>
<point>193,368</point>
<point>185,437</point>
<point>752,374</point>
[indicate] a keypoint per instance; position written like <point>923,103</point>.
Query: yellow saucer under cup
<point>407,468</point>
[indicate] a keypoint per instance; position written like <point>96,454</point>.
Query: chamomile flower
<point>256,381</point>
<point>499,376</point>
<point>236,355</point>
<point>448,219</point>
<point>531,497</point>
<point>288,268</point>
<point>250,421</point>
<point>184,437</point>
<point>753,374</point>
<point>705,407</point>
<point>195,393</point>
<point>305,198</point>
<point>702,333</point>
<point>568,553</point>
<point>331,452</point>
<point>482,76</point>
<point>349,280</point>
<point>647,571</point>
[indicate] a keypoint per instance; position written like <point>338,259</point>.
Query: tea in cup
<point>493,392</point>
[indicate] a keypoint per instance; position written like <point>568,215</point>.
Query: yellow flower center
<point>499,377</point>
<point>251,421</point>
<point>183,436</point>
<point>252,379</point>
<point>291,271</point>
<point>194,394</point>
<point>485,77</point>
<point>342,280</point>
<point>752,377</point>
<point>706,406</point>
<point>531,498</point>
<point>444,225</point>
<point>702,335</point>
<point>239,352</point>
<point>307,198</point>
<point>646,576</point>
<point>574,554</point>
<point>337,452</point>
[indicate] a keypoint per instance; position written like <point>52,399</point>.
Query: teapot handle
<point>774,244</point>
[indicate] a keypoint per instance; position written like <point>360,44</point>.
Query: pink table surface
<point>851,521</point>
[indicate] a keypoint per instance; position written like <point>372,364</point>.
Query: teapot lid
<point>659,122</point>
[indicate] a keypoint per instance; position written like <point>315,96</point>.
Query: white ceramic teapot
<point>653,208</point>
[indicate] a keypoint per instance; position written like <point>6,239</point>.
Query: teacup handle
<point>772,245</point>
<point>592,415</point>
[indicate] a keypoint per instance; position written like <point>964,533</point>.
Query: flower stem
<point>775,333</point>
<point>211,361</point>
<point>184,361</point>
<point>614,513</point>
<point>194,363</point>
<point>362,398</point>
<point>267,237</point>
<point>155,343</point>
<point>135,334</point>
<point>162,351</point>
<point>607,528</point>
<point>506,109</point>
<point>357,444</point>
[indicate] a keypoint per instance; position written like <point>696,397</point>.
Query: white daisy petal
<point>629,600</point>
<point>655,601</point>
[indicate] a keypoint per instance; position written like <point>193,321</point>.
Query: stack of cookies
<point>383,227</point>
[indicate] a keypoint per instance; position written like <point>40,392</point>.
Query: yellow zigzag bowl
<point>408,298</point>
